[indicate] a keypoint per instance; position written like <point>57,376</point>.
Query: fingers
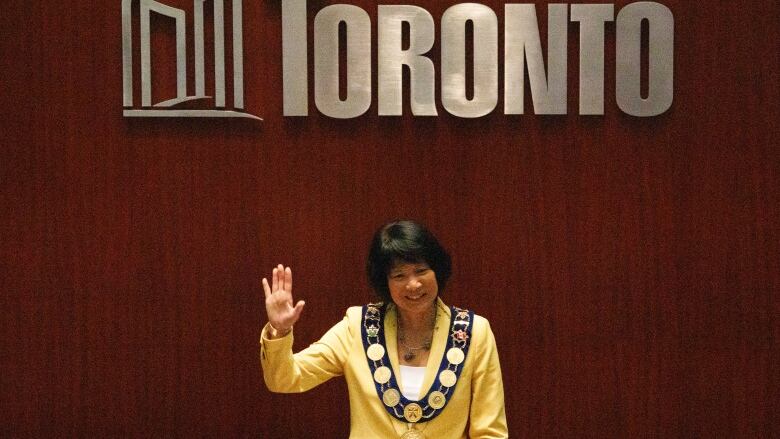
<point>280,274</point>
<point>266,288</point>
<point>298,309</point>
<point>281,279</point>
<point>288,280</point>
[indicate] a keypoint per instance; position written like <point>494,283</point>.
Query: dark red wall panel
<point>628,265</point>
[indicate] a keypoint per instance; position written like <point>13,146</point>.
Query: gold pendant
<point>413,412</point>
<point>436,400</point>
<point>375,352</point>
<point>455,356</point>
<point>382,374</point>
<point>391,397</point>
<point>447,378</point>
<point>413,434</point>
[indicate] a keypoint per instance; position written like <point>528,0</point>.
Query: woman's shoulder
<point>354,312</point>
<point>480,326</point>
<point>478,319</point>
<point>482,337</point>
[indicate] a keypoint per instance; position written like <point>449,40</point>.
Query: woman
<point>415,367</point>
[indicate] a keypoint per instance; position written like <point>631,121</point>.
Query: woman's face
<point>412,286</point>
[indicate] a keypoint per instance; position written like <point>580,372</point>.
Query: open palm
<point>279,301</point>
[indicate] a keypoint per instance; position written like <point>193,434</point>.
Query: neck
<point>417,322</point>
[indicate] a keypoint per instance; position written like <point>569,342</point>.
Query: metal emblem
<point>413,412</point>
<point>460,334</point>
<point>382,374</point>
<point>391,397</point>
<point>447,378</point>
<point>455,356</point>
<point>413,434</point>
<point>375,352</point>
<point>437,400</point>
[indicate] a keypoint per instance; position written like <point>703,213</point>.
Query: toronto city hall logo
<point>166,108</point>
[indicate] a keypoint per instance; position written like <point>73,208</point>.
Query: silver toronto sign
<point>523,59</point>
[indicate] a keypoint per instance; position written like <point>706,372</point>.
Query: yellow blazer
<point>475,409</point>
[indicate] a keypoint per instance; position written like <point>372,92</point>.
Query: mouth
<point>415,297</point>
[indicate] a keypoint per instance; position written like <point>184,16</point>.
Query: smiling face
<point>412,286</point>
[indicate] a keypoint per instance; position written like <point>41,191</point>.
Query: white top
<point>411,381</point>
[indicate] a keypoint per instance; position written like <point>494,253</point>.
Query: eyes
<point>402,273</point>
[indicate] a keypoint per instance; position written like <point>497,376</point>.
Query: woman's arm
<point>283,371</point>
<point>286,372</point>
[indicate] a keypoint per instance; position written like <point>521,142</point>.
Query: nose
<point>413,284</point>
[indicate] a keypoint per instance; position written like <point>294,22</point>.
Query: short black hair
<point>405,241</point>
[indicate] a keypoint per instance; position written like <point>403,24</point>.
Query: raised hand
<point>279,301</point>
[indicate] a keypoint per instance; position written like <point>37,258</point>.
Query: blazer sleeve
<point>488,416</point>
<point>285,372</point>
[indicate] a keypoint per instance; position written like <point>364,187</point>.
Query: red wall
<point>628,265</point>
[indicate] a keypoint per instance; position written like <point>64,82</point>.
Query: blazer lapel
<point>439,342</point>
<point>391,341</point>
